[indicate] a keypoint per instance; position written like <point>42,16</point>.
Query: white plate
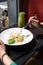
<point>4,36</point>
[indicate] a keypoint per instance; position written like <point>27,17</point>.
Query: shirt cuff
<point>13,63</point>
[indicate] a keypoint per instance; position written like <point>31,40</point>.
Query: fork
<point>23,28</point>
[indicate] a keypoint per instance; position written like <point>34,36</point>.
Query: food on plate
<point>10,41</point>
<point>14,37</point>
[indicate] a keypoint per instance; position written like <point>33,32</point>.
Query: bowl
<point>4,36</point>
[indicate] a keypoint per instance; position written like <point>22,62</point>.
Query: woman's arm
<point>4,57</point>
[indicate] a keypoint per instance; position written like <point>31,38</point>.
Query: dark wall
<point>12,10</point>
<point>23,6</point>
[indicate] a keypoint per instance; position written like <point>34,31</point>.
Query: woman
<point>4,57</point>
<point>5,18</point>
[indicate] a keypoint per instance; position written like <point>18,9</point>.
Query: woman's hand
<point>2,49</point>
<point>5,57</point>
<point>33,21</point>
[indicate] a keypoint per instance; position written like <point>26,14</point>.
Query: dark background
<point>2,0</point>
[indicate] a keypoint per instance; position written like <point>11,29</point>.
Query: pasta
<point>15,37</point>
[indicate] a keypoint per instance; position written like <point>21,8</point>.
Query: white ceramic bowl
<point>4,36</point>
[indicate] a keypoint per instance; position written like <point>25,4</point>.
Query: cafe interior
<point>23,16</point>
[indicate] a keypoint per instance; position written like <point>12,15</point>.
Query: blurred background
<point>13,7</point>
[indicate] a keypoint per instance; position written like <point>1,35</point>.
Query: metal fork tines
<point>23,28</point>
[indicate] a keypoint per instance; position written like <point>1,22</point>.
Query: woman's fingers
<point>35,20</point>
<point>2,44</point>
<point>32,17</point>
